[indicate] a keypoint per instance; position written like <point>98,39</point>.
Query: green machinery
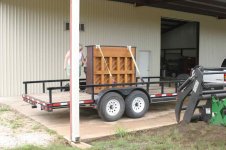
<point>218,111</point>
<point>195,89</point>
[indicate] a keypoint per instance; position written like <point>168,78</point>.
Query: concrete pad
<point>91,126</point>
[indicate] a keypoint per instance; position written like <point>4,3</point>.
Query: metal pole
<point>74,82</point>
<point>61,84</point>
<point>148,85</point>
<point>25,88</point>
<point>162,88</point>
<point>50,96</point>
<point>43,87</point>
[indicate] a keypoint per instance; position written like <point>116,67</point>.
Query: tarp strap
<point>109,72</point>
<point>135,63</point>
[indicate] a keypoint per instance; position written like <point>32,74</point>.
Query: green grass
<point>13,121</point>
<point>193,136</point>
<point>16,123</point>
<point>121,132</point>
<point>36,127</point>
<point>4,108</point>
<point>132,141</point>
<point>50,147</point>
<point>51,132</point>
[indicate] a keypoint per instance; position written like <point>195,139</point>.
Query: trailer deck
<point>59,100</point>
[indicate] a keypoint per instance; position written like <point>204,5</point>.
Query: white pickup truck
<point>216,78</point>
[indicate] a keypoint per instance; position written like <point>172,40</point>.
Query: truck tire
<point>111,107</point>
<point>137,104</point>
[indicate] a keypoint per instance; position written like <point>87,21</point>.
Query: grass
<point>50,132</point>
<point>11,121</point>
<point>193,136</point>
<point>50,147</point>
<point>121,132</point>
<point>4,108</point>
<point>36,127</point>
<point>16,123</point>
<point>9,118</point>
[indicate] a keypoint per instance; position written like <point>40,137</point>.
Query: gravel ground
<point>8,139</point>
<point>17,130</point>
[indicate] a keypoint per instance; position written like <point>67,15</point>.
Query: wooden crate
<point>119,62</point>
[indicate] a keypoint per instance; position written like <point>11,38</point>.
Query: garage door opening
<point>179,47</point>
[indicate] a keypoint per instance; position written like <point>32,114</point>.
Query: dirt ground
<point>17,130</point>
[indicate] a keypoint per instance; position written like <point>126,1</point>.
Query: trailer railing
<point>43,82</point>
<point>145,85</point>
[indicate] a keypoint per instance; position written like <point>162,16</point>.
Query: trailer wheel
<point>137,104</point>
<point>111,107</point>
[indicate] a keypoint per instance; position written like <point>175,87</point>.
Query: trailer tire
<point>137,104</point>
<point>111,107</point>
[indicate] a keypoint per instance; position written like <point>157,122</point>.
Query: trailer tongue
<point>197,88</point>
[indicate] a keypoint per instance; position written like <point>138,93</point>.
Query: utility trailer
<point>133,99</point>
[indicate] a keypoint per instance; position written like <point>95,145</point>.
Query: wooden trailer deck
<point>59,100</point>
<point>59,96</point>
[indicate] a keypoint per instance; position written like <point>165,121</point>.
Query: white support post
<point>74,82</point>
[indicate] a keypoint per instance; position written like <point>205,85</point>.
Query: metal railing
<point>115,85</point>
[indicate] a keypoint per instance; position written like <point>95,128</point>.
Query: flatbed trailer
<point>132,98</point>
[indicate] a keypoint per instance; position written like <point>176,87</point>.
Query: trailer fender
<point>124,92</point>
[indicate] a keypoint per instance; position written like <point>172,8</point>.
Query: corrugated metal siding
<point>33,40</point>
<point>213,43</point>
<point>113,23</point>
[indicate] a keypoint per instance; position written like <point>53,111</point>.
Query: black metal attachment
<point>194,88</point>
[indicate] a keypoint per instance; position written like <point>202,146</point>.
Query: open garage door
<point>179,47</point>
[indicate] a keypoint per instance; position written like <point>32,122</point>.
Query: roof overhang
<point>214,8</point>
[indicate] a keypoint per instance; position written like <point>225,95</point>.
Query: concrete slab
<point>91,126</point>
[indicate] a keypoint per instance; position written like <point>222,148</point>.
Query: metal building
<point>34,39</point>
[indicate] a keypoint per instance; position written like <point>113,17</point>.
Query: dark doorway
<point>179,47</point>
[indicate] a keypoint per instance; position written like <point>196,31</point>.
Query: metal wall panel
<point>114,23</point>
<point>33,41</point>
